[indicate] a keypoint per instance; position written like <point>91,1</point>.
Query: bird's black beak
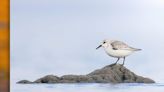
<point>99,46</point>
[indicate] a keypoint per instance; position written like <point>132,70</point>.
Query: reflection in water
<point>88,87</point>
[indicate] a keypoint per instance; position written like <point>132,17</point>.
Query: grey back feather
<point>118,45</point>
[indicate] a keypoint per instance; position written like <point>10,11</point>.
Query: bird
<point>117,49</point>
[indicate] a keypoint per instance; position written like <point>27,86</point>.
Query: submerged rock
<point>108,74</point>
<point>24,82</point>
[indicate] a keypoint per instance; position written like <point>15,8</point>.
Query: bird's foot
<point>122,64</point>
<point>114,63</point>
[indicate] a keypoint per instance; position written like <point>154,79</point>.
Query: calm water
<point>90,87</point>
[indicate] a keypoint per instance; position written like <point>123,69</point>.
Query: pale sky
<point>60,36</point>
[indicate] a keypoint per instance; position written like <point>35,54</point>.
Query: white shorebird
<point>117,49</point>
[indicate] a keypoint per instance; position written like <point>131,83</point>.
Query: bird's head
<point>104,43</point>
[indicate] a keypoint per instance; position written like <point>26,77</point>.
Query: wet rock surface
<point>108,74</point>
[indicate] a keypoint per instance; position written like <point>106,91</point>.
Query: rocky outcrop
<point>108,74</point>
<point>25,82</point>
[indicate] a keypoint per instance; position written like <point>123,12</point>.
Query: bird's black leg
<point>123,61</point>
<point>117,61</point>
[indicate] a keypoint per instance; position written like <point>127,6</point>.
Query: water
<point>88,87</point>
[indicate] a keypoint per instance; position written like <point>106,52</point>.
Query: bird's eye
<point>103,42</point>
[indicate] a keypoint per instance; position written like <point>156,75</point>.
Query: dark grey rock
<point>48,79</point>
<point>74,79</point>
<point>108,74</point>
<point>24,82</point>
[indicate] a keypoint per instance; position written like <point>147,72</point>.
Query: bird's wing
<point>118,45</point>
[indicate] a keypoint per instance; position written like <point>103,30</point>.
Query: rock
<point>48,79</point>
<point>24,82</point>
<point>74,79</point>
<point>108,74</point>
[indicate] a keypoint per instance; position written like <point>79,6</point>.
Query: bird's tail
<point>135,49</point>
